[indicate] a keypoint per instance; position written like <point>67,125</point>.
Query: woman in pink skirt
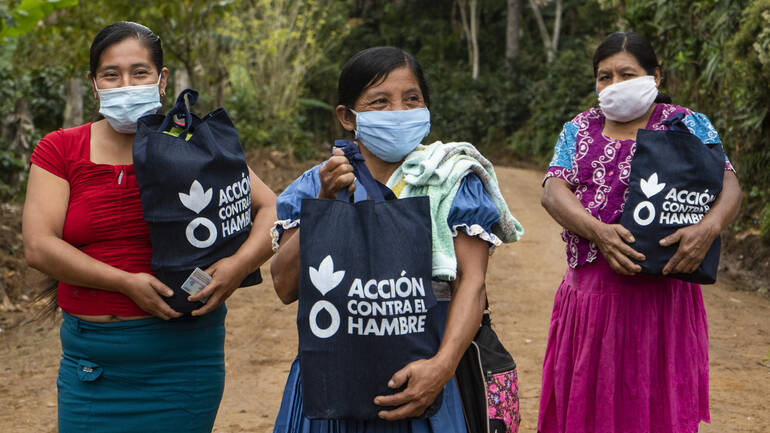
<point>627,353</point>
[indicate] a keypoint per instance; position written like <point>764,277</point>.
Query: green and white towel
<point>436,171</point>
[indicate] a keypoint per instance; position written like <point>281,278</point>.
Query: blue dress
<point>471,206</point>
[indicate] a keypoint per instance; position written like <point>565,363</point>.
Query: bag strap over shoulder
<point>376,191</point>
<point>184,101</point>
<point>486,317</point>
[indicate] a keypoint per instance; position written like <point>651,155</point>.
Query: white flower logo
<point>197,200</point>
<point>650,186</point>
<point>324,278</point>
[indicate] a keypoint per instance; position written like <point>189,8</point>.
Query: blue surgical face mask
<point>391,135</point>
<point>123,106</point>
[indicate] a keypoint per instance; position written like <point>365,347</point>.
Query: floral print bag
<point>489,384</point>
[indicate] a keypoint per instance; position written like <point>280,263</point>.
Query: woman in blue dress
<point>384,100</point>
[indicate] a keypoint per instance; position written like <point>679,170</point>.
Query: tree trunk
<point>471,33</point>
<point>543,31</point>
<point>474,38</point>
<point>219,93</point>
<point>512,30</point>
<point>17,128</point>
<point>550,43</point>
<point>73,107</point>
<point>466,29</point>
<point>556,28</point>
<point>181,81</point>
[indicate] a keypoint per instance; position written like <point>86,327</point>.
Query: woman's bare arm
<point>612,239</point>
<point>45,210</point>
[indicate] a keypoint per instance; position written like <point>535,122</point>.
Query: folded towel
<point>436,170</point>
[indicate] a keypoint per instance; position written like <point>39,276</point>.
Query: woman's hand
<point>146,291</point>
<point>613,240</point>
<point>336,175</point>
<point>228,273</point>
<point>226,276</point>
<point>424,379</point>
<point>694,242</point>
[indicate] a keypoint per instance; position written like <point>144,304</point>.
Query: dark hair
<point>635,44</point>
<point>371,66</point>
<point>117,32</point>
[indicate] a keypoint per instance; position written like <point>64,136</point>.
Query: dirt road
<point>522,279</point>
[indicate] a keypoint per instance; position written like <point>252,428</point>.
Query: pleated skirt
<point>625,354</point>
<point>145,375</point>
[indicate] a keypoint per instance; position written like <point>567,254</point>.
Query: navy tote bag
<point>365,296</point>
<point>195,193</point>
<point>675,179</point>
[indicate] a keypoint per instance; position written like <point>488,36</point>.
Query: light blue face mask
<point>123,106</point>
<point>391,135</point>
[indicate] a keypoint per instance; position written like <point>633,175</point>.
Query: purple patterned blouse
<point>597,167</point>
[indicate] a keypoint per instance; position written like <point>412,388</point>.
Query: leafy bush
<point>748,89</point>
<point>764,222</point>
<point>41,91</point>
<point>566,90</point>
<point>12,168</point>
<point>482,111</point>
<point>275,43</point>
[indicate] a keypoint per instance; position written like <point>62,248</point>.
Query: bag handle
<point>376,191</point>
<point>184,101</point>
<point>676,123</point>
<point>486,315</point>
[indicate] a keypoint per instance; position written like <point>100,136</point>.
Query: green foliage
<point>27,14</point>
<point>274,64</point>
<point>748,90</point>
<point>10,166</point>
<point>41,89</point>
<point>764,222</point>
<point>275,43</point>
<point>566,90</point>
<point>482,111</point>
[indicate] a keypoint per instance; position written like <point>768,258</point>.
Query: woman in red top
<point>129,362</point>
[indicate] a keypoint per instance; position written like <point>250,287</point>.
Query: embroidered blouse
<point>597,167</point>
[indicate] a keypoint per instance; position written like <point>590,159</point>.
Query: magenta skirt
<point>625,355</point>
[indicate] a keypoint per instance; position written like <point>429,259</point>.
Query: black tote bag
<point>195,192</point>
<point>675,179</point>
<point>365,297</point>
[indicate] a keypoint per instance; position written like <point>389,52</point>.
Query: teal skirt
<point>145,375</point>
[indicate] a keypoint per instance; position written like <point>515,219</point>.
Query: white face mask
<point>628,100</point>
<point>123,106</point>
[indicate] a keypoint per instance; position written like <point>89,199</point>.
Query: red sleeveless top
<point>104,218</point>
